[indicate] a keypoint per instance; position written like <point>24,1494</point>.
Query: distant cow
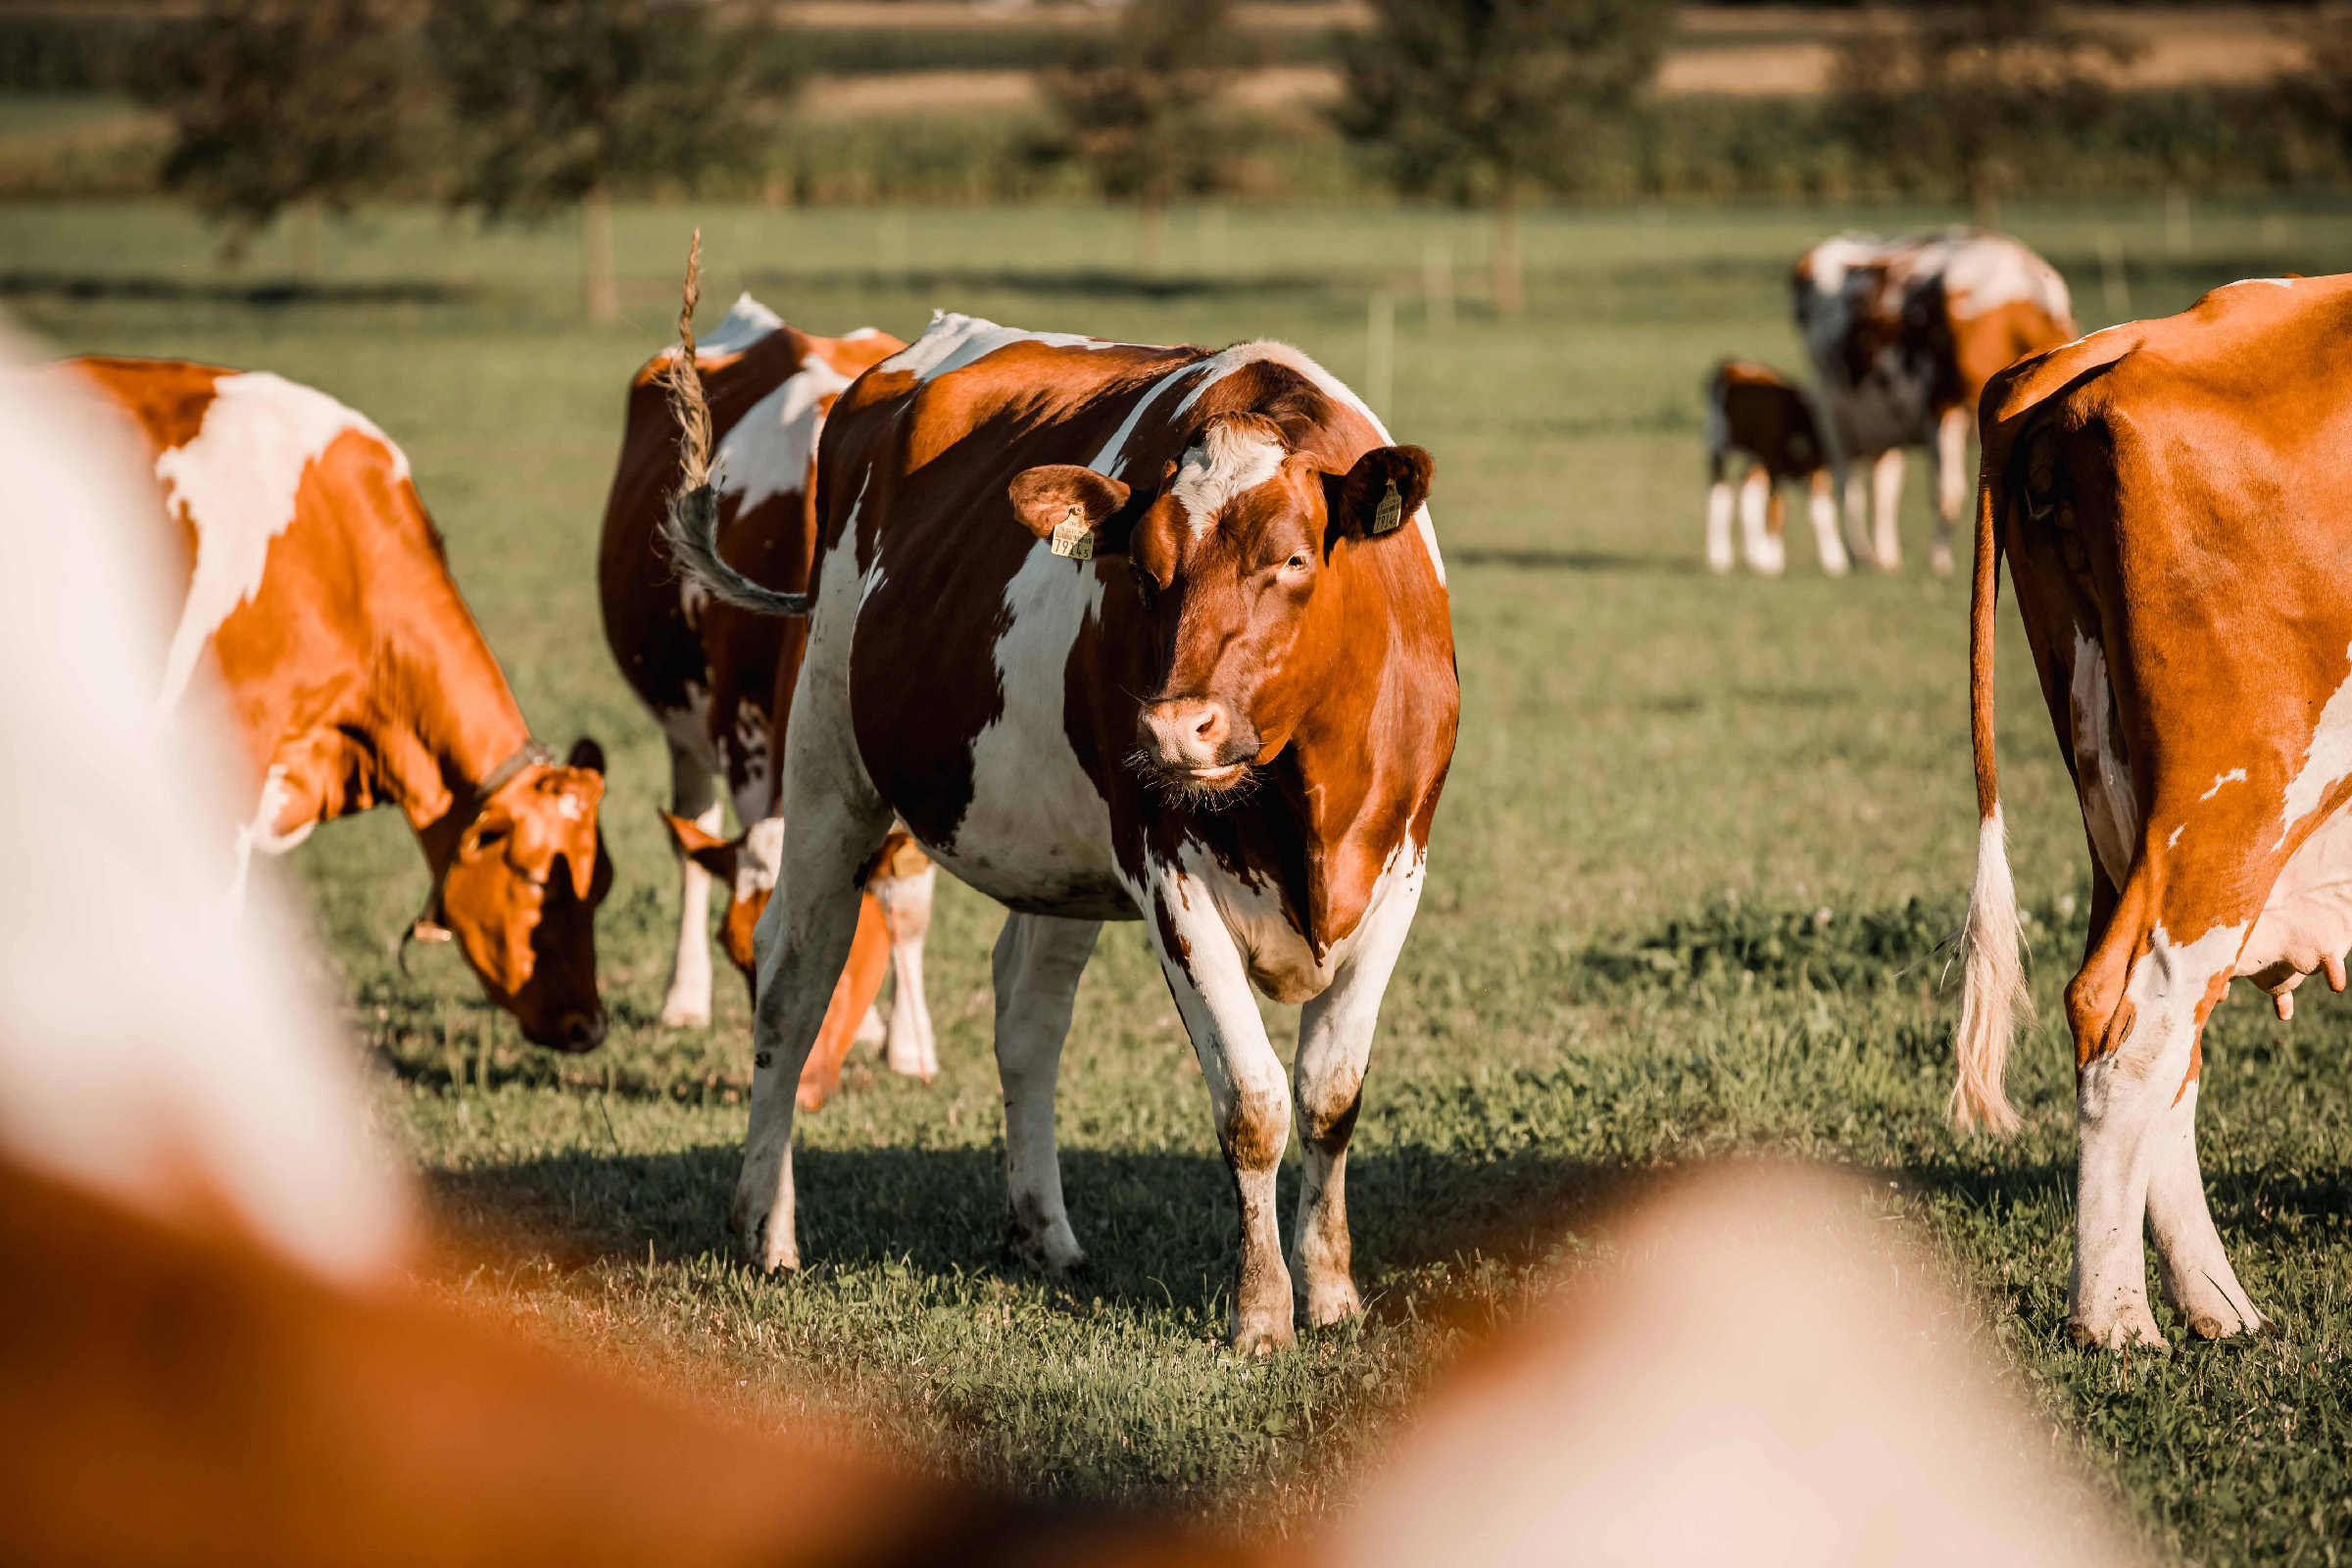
<point>1120,634</point>
<point>357,678</point>
<point>1904,335</point>
<point>2177,511</point>
<point>716,678</point>
<point>1755,411</point>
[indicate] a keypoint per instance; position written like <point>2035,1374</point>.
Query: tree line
<point>525,108</point>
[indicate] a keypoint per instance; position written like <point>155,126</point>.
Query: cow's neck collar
<point>441,840</point>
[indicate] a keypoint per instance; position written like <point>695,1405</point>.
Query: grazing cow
<point>1120,634</point>
<point>355,675</point>
<point>2175,505</point>
<point>1755,411</point>
<point>1904,335</point>
<point>718,678</point>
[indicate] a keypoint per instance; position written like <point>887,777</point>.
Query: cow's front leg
<point>909,1045</point>
<point>691,794</point>
<point>1886,495</point>
<point>802,942</point>
<point>1247,1094</point>
<point>1036,968</point>
<point>2136,1111</point>
<point>1947,464</point>
<point>1821,505</point>
<point>1334,1044</point>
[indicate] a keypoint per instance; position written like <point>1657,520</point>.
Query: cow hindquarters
<point>1335,1046</point>
<point>2137,1009</point>
<point>1247,1092</point>
<point>1036,968</point>
<point>686,1004</point>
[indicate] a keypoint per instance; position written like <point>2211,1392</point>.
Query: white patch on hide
<point>770,450</point>
<point>746,322</point>
<point>760,858</point>
<point>2237,775</point>
<point>952,341</point>
<point>236,481</point>
<point>2326,760</point>
<point>2110,807</point>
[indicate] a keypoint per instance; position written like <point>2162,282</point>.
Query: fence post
<point>2112,277</point>
<point>1437,283</point>
<point>1380,352</point>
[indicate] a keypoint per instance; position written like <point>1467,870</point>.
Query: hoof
<point>871,1031</point>
<point>1052,1250</point>
<point>1259,1336</point>
<point>759,1249</point>
<point>812,1097</point>
<point>1336,1304</point>
<point>679,1015</point>
<point>2136,1331</point>
<point>1939,561</point>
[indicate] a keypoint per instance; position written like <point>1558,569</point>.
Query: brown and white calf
<point>1903,334</point>
<point>1120,634</point>
<point>718,677</point>
<point>2176,508</point>
<point>355,676</point>
<point>1755,412</point>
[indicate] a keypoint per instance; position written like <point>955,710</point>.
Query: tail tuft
<point>690,525</point>
<point>1992,988</point>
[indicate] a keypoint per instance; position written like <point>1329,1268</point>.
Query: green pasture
<point>1701,840</point>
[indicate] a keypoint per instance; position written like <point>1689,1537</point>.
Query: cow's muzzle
<point>1196,744</point>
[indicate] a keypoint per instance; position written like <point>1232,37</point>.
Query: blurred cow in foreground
<point>720,680</point>
<point>1755,412</point>
<point>1903,334</point>
<point>353,676</point>
<point>2177,509</point>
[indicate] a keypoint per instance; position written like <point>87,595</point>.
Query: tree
<point>1968,95</point>
<point>1479,100</point>
<point>1139,109</point>
<point>558,101</point>
<point>278,104</point>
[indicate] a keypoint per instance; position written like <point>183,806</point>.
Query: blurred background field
<point>1702,841</point>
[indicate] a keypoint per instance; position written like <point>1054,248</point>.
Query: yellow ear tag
<point>1390,511</point>
<point>1073,538</point>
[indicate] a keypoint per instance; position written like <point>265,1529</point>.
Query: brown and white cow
<point>1903,334</point>
<point>355,675</point>
<point>1755,412</point>
<point>716,678</point>
<point>1120,634</point>
<point>2177,509</point>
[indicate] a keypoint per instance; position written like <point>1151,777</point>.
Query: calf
<point>718,678</point>
<point>318,590</point>
<point>1755,411</point>
<point>2176,509</point>
<point>1120,634</point>
<point>1903,334</point>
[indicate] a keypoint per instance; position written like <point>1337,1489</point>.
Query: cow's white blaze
<point>2137,1118</point>
<point>2110,805</point>
<point>2326,761</point>
<point>236,482</point>
<point>1224,464</point>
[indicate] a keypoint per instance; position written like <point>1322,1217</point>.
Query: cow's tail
<point>690,525</point>
<point>1992,985</point>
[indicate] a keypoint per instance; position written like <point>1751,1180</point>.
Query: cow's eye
<point>1297,563</point>
<point>489,838</point>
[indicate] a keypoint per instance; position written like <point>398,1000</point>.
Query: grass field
<point>1700,839</point>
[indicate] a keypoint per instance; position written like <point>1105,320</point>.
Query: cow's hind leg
<point>1886,494</point>
<point>1760,540</point>
<point>800,949</point>
<point>1247,1092</point>
<point>1036,968</point>
<point>686,1004</point>
<point>1719,516</point>
<point>1334,1044</point>
<point>1821,505</point>
<point>2138,1008</point>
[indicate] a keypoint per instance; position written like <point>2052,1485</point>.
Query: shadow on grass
<point>1157,1227</point>
<point>274,291</point>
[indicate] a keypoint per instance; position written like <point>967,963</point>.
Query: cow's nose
<point>1188,731</point>
<point>583,1031</point>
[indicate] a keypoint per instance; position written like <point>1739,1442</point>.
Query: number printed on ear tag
<point>1073,538</point>
<point>1390,511</point>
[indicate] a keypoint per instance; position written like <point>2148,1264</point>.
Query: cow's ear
<point>1064,503</point>
<point>708,851</point>
<point>587,754</point>
<point>1380,494</point>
